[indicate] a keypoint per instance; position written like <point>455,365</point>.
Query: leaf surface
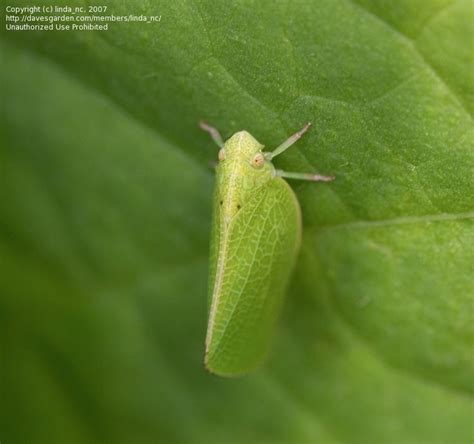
<point>105,210</point>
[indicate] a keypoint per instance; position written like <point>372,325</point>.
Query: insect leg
<point>287,143</point>
<point>304,176</point>
<point>213,132</point>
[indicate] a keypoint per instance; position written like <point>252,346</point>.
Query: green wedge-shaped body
<point>255,239</point>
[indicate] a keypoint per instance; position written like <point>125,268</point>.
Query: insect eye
<point>221,154</point>
<point>258,160</point>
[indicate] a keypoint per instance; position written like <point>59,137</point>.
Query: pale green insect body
<point>254,243</point>
<point>238,176</point>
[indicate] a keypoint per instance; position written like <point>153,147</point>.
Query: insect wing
<point>257,254</point>
<point>215,242</point>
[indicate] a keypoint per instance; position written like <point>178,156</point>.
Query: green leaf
<point>105,217</point>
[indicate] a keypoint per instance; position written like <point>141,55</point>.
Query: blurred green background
<point>105,204</point>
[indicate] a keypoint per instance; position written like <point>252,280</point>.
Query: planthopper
<point>256,234</point>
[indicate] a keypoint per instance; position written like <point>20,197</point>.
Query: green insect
<point>255,239</point>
